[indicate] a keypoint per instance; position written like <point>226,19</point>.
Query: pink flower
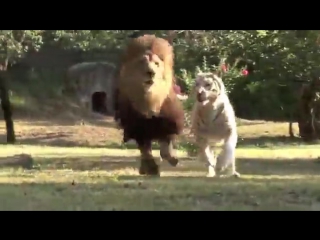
<point>177,89</point>
<point>224,68</point>
<point>245,72</point>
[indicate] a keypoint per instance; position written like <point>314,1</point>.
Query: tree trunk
<point>171,35</point>
<point>291,133</point>
<point>6,108</point>
<point>309,108</point>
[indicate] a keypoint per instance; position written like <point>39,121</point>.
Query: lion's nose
<point>149,82</point>
<point>150,73</point>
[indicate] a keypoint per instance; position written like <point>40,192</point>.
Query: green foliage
<point>281,60</point>
<point>277,60</point>
<point>14,43</point>
<point>230,76</point>
<point>89,39</point>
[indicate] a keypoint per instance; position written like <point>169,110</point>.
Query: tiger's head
<point>208,87</point>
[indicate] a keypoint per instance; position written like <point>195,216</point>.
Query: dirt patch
<point>79,132</point>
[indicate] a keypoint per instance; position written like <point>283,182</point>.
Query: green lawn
<point>107,179</point>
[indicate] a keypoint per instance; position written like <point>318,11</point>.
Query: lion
<point>146,106</point>
<point>212,121</point>
<point>85,79</point>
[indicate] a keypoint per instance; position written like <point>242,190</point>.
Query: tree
<point>309,110</point>
<point>13,45</point>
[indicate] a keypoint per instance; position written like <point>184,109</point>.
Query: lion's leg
<point>148,165</point>
<point>167,152</point>
<point>206,154</point>
<point>227,157</point>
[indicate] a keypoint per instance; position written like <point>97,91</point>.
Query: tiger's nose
<point>201,97</point>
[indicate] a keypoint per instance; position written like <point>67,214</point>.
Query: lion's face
<point>148,82</point>
<point>146,74</point>
<point>148,70</point>
<point>208,86</point>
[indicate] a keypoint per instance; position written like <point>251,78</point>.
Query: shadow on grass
<point>274,141</point>
<point>99,120</point>
<point>192,194</point>
<point>176,190</point>
<point>259,142</point>
<point>57,140</point>
<point>246,166</point>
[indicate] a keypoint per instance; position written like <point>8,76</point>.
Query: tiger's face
<point>208,86</point>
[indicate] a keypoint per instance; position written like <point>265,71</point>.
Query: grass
<point>80,164</point>
<point>74,178</point>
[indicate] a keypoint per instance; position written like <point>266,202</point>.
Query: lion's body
<point>140,128</point>
<point>214,122</point>
<point>147,107</point>
<point>84,79</point>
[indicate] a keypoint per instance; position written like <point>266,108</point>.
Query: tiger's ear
<point>198,71</point>
<point>217,73</point>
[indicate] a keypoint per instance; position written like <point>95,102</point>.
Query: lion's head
<point>146,73</point>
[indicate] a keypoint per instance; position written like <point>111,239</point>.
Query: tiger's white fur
<point>213,120</point>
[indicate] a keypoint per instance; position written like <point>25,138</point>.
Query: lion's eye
<point>157,64</point>
<point>142,60</point>
<point>207,85</point>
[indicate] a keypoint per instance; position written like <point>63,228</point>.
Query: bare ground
<point>97,131</point>
<point>79,166</point>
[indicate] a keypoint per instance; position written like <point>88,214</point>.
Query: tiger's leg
<point>206,154</point>
<point>167,152</point>
<point>148,165</point>
<point>227,157</point>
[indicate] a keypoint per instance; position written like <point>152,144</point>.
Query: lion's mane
<point>170,119</point>
<point>146,102</point>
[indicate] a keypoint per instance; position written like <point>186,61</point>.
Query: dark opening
<point>99,103</point>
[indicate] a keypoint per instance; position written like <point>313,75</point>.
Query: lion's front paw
<point>173,161</point>
<point>149,167</point>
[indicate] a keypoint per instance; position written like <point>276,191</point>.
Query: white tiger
<point>213,120</point>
